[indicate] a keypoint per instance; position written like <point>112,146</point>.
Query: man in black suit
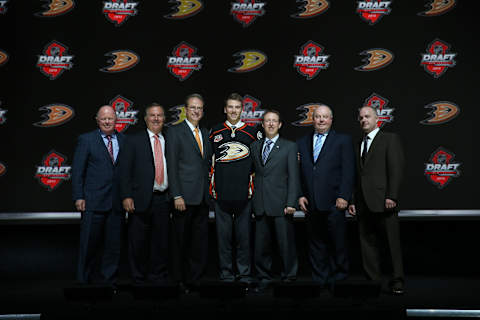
<point>144,192</point>
<point>274,200</point>
<point>96,197</point>
<point>327,165</point>
<point>188,162</point>
<point>380,162</point>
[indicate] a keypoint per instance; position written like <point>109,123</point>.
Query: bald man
<point>95,195</point>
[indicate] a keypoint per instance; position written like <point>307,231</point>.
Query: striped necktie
<point>266,150</point>
<point>318,146</point>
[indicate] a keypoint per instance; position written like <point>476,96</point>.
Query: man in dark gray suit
<point>380,162</point>
<point>274,200</point>
<point>188,161</point>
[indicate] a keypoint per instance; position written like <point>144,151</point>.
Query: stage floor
<point>46,297</point>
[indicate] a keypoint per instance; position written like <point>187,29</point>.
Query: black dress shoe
<point>397,289</point>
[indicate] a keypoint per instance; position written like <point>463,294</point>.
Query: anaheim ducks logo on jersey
<point>179,116</point>
<point>118,11</point>
<point>438,7</point>
<point>185,9</point>
<point>55,115</point>
<point>55,60</point>
<point>311,8</point>
<point>121,60</point>
<point>126,115</point>
<point>55,8</point>
<point>306,114</point>
<point>3,57</point>
<point>53,171</point>
<point>372,10</point>
<point>3,6</point>
<point>232,151</point>
<point>3,169</point>
<point>184,61</point>
<point>380,103</point>
<point>248,60</point>
<point>376,59</point>
<point>311,60</point>
<point>442,169</point>
<point>442,112</point>
<point>247,11</point>
<point>438,58</point>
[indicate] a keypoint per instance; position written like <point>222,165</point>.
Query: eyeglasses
<point>195,108</point>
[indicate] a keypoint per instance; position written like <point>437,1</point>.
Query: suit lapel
<point>148,147</point>
<point>102,146</point>
<point>275,149</point>
<point>190,137</point>
<point>375,143</point>
<point>310,146</point>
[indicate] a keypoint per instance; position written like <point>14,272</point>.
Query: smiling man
<point>231,189</point>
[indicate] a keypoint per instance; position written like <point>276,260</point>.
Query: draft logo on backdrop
<point>380,103</point>
<point>3,57</point>
<point>247,11</point>
<point>437,7</point>
<point>442,168</point>
<point>252,115</point>
<point>311,60</point>
<point>376,59</point>
<point>438,58</point>
<point>119,11</point>
<point>55,115</point>
<point>121,60</point>
<point>372,11</point>
<point>442,112</point>
<point>3,118</point>
<point>248,60</point>
<point>3,6</point>
<point>306,114</point>
<point>55,8</point>
<point>126,115</point>
<point>54,60</point>
<point>184,9</point>
<point>184,61</point>
<point>179,116</point>
<point>311,8</point>
<point>53,170</point>
<point>3,169</point>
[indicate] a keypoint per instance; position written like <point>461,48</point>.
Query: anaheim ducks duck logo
<point>311,60</point>
<point>55,8</point>
<point>3,57</point>
<point>3,169</point>
<point>372,10</point>
<point>56,115</point>
<point>247,11</point>
<point>232,151</point>
<point>3,6</point>
<point>376,59</point>
<point>179,116</point>
<point>306,114</point>
<point>118,11</point>
<point>442,112</point>
<point>311,8</point>
<point>53,171</point>
<point>121,60</point>
<point>185,9</point>
<point>55,60</point>
<point>438,58</point>
<point>442,169</point>
<point>380,103</point>
<point>248,60</point>
<point>438,7</point>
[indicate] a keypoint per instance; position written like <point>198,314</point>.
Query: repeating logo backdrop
<point>413,62</point>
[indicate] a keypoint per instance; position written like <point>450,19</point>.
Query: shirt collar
<point>151,134</point>
<point>323,134</point>
<point>373,133</point>
<point>238,125</point>
<point>191,126</point>
<point>274,139</point>
<point>104,135</point>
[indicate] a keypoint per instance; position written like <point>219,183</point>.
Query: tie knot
<point>155,136</point>
<point>196,130</point>
<point>268,142</point>
<point>319,135</point>
<point>109,137</point>
<point>366,138</point>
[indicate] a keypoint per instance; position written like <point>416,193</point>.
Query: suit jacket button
<point>314,167</point>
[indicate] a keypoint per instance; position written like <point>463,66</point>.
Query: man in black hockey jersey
<point>231,189</point>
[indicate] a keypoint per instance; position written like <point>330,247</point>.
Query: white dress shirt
<point>371,136</point>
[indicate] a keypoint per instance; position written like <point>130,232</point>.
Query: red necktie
<point>157,149</point>
<point>110,147</point>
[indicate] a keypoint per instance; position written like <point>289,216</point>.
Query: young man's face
<point>233,110</point>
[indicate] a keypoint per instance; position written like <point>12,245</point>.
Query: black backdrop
<point>217,36</point>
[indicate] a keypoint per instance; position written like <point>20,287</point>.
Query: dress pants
<point>327,245</point>
<point>283,229</point>
<point>148,241</point>
<point>191,233</point>
<point>379,239</point>
<point>233,225</point>
<point>99,247</point>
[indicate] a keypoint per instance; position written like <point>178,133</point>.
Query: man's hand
<point>80,205</point>
<point>390,204</point>
<point>351,210</point>
<point>303,203</point>
<point>128,205</point>
<point>289,210</point>
<point>180,204</point>
<point>341,204</point>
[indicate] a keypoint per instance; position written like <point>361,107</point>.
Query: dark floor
<point>46,297</point>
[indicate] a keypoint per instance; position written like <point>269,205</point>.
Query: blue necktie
<point>318,146</point>
<point>266,150</point>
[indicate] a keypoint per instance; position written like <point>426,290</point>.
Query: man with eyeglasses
<point>95,194</point>
<point>188,162</point>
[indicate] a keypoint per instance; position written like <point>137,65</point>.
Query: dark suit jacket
<point>187,170</point>
<point>276,183</point>
<point>94,174</point>
<point>381,175</point>
<point>137,170</point>
<point>332,176</point>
